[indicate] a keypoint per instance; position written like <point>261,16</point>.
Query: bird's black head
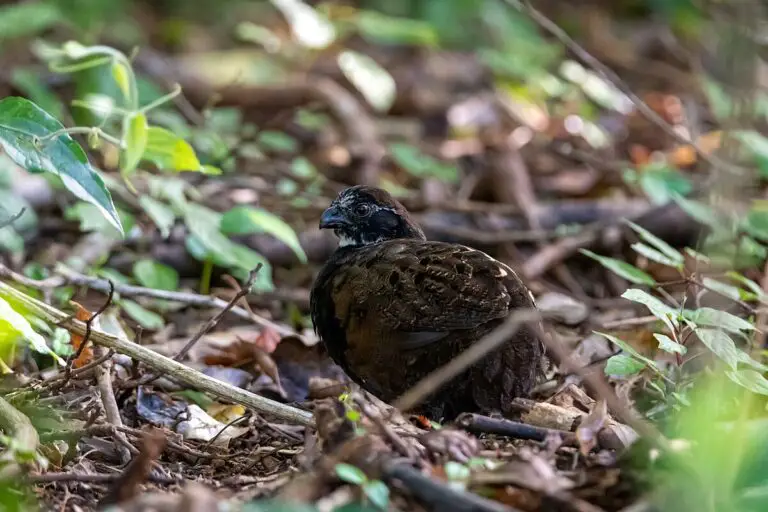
<point>364,215</point>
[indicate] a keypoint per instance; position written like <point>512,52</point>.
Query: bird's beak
<point>332,218</point>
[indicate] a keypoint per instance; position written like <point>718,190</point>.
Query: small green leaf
<point>700,212</point>
<point>749,283</point>
<point>350,474</point>
<point>662,184</point>
<point>170,152</point>
<point>626,347</point>
<point>756,224</point>
<point>277,141</point>
<point>750,379</point>
<point>162,215</point>
<point>456,471</point>
<point>622,365</point>
<point>244,220</point>
<point>152,274</point>
<point>121,76</point>
<point>23,124</point>
<point>669,345</point>
<point>378,492</point>
<point>720,344</point>
<point>621,268</point>
<point>381,28</point>
<point>15,322</point>
<point>374,82</point>
<point>91,220</point>
<point>204,224</point>
<point>135,134</point>
<point>657,308</point>
<point>27,18</point>
<point>147,319</point>
<point>659,244</point>
<point>710,317</point>
<point>413,160</point>
<point>729,291</point>
<point>654,255</point>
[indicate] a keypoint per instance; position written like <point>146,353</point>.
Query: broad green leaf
<point>27,18</point>
<point>244,220</point>
<point>756,224</point>
<point>720,344</point>
<point>629,272</point>
<point>22,124</point>
<point>374,82</point>
<point>667,344</point>
<point>750,379</point>
<point>247,260</point>
<point>350,474</point>
<point>659,244</point>
<point>745,358</point>
<point>657,308</point>
<point>169,151</point>
<point>121,76</point>
<point>34,87</point>
<point>135,134</point>
<point>749,283</point>
<point>729,291</point>
<point>204,224</point>
<point>623,365</point>
<point>654,255</point>
<point>413,160</point>
<point>153,274</point>
<point>12,320</point>
<point>146,318</point>
<point>162,215</point>
<point>709,317</point>
<point>378,492</point>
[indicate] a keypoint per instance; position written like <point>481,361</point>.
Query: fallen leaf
<point>587,432</point>
<point>86,356</point>
<point>202,427</point>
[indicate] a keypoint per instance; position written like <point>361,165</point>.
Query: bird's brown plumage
<point>393,310</point>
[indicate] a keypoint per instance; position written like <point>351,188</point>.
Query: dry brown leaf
<point>86,356</point>
<point>591,426</point>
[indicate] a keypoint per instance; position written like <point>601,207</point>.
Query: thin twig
<point>160,363</point>
<point>111,410</point>
<point>7,222</point>
<point>87,336</point>
<point>491,341</point>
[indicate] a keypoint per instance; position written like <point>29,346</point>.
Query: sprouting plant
<point>375,491</point>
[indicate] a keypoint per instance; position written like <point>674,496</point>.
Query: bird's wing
<point>418,292</point>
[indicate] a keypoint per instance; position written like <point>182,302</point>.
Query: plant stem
<point>82,130</point>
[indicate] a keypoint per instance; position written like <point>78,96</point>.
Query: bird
<point>391,306</point>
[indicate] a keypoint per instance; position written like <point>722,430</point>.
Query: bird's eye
<point>362,209</point>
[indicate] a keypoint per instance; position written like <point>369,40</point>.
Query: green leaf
<point>276,141</point>
<point>626,347</point>
<point>146,318</point>
<point>654,255</point>
<point>350,474</point>
<point>22,124</point>
<point>756,224</point>
<point>710,317</point>
<point>153,274</point>
<point>669,345</point>
<point>720,344</point>
<point>135,135</point>
<point>378,492</point>
<point>629,272</point>
<point>12,320</point>
<point>623,365</point>
<point>162,215</point>
<point>374,82</point>
<point>663,184</point>
<point>750,379</point>
<point>657,308</point>
<point>91,219</point>
<point>659,244</point>
<point>729,291</point>
<point>170,152</point>
<point>33,85</point>
<point>412,159</point>
<point>245,220</point>
<point>700,212</point>
<point>27,18</point>
<point>749,283</point>
<point>204,224</point>
<point>121,75</point>
<point>385,29</point>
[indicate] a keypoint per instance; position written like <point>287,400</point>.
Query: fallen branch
<point>479,424</point>
<point>159,363</point>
